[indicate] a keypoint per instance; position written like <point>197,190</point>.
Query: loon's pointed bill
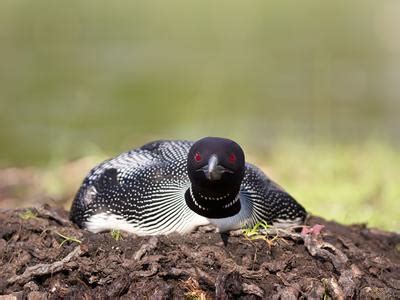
<point>213,170</point>
<point>176,186</point>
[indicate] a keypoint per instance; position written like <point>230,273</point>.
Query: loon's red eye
<point>197,156</point>
<point>232,158</point>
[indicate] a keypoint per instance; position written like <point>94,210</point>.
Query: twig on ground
<point>317,247</point>
<point>68,239</point>
<point>333,288</point>
<point>43,269</point>
<point>252,289</point>
<point>43,211</point>
<point>150,245</point>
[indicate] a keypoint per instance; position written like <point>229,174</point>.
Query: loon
<point>176,186</point>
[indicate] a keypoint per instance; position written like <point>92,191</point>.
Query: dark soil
<point>334,261</point>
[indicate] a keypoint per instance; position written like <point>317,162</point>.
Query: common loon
<point>175,186</point>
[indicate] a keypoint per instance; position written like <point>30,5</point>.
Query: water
<point>79,77</point>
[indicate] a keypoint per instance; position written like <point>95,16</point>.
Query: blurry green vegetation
<point>84,74</point>
<point>311,90</point>
<point>347,183</point>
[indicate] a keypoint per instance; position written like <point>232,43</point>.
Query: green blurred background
<point>310,90</point>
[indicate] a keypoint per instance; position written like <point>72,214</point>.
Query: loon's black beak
<point>213,170</point>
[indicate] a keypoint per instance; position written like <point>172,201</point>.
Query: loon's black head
<point>216,169</point>
<point>216,162</point>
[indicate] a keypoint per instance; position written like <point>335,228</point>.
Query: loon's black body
<point>176,186</point>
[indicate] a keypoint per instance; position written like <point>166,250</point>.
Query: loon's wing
<point>140,191</point>
<point>269,202</point>
<point>142,157</point>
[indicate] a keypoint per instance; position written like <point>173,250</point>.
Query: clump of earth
<point>44,256</point>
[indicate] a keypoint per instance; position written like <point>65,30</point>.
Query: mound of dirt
<point>44,256</point>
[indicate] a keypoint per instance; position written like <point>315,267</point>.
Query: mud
<point>44,256</point>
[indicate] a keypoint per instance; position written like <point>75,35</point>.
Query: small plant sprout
<point>260,232</point>
<point>259,228</point>
<point>27,214</point>
<point>116,234</point>
<point>68,239</point>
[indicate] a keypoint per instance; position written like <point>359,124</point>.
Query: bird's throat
<point>215,206</point>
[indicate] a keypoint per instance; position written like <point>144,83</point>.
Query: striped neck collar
<point>211,206</point>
